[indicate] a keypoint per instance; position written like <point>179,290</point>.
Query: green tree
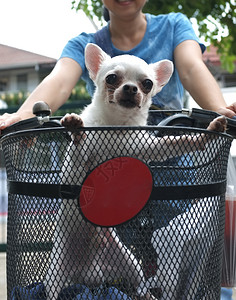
<point>219,15</point>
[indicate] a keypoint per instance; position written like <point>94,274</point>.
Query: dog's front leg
<point>120,260</point>
<point>117,262</point>
<point>192,143</point>
<point>57,273</point>
<point>71,249</point>
<point>165,147</point>
<point>73,122</point>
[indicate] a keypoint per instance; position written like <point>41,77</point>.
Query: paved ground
<point>3,291</point>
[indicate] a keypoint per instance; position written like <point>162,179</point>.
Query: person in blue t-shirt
<point>152,38</point>
<point>163,34</point>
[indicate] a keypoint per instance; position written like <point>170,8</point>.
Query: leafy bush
<point>17,98</point>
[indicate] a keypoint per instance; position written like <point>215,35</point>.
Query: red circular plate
<point>115,191</point>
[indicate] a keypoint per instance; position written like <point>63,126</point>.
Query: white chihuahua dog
<point>82,252</point>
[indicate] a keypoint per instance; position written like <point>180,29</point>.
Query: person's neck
<point>126,34</point>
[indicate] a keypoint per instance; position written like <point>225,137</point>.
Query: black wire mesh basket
<point>118,213</point>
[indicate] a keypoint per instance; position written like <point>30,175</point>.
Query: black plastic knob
<point>42,109</point>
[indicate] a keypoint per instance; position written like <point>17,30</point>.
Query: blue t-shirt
<point>163,34</point>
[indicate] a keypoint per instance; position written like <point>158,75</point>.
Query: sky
<point>40,26</point>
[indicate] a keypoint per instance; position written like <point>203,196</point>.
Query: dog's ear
<point>94,57</point>
<point>163,70</point>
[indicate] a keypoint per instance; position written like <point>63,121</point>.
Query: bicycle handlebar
<point>198,118</point>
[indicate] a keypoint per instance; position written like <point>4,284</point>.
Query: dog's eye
<point>111,79</point>
<point>147,84</point>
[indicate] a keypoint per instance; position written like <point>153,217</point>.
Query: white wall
<point>33,79</point>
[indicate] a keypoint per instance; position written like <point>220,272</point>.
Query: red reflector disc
<point>115,191</point>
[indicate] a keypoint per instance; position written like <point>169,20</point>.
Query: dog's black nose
<point>130,89</point>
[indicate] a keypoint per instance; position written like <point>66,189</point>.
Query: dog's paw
<point>73,122</point>
<point>219,124</point>
<point>199,141</point>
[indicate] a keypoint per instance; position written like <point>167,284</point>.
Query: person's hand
<point>8,119</point>
<point>228,111</point>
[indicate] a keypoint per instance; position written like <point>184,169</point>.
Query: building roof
<point>13,58</point>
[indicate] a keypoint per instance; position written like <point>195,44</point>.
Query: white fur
<point>78,246</point>
<point>133,69</point>
<point>82,246</point>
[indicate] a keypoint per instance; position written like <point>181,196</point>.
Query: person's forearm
<point>48,91</point>
<point>197,79</point>
<point>203,88</point>
<point>55,89</point>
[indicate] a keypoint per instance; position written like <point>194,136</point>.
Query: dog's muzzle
<point>129,98</point>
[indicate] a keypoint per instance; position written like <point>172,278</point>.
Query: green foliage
<point>216,20</point>
<point>14,99</point>
<point>79,93</point>
<point>90,7</point>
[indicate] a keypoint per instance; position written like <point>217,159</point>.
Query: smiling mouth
<point>123,1</point>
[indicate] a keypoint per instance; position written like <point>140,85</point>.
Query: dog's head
<point>126,80</point>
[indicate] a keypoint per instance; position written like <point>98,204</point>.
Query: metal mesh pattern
<point>170,248</point>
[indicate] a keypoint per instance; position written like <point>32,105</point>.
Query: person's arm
<point>197,79</point>
<point>55,89</point>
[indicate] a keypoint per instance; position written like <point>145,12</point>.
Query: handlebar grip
<point>21,125</point>
<point>206,116</point>
<point>42,118</point>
